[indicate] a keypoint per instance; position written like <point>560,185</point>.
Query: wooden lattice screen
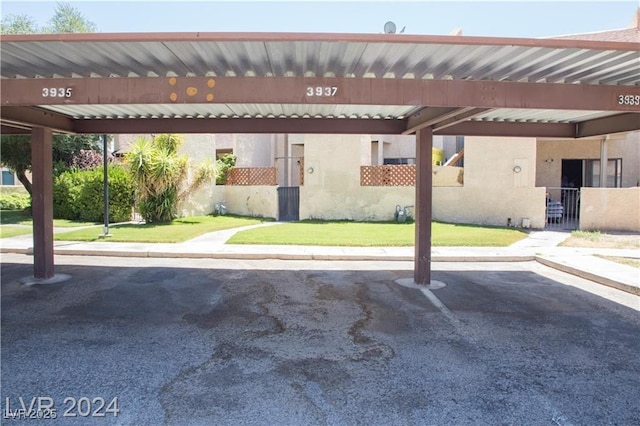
<point>252,176</point>
<point>301,170</point>
<point>393,175</point>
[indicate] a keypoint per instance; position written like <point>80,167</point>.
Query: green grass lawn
<point>359,234</point>
<point>18,217</point>
<point>7,231</point>
<point>178,230</point>
<point>8,218</point>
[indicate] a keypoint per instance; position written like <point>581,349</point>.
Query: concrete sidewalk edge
<point>544,260</point>
<point>588,275</point>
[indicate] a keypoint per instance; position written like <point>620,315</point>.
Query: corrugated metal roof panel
<point>231,110</point>
<point>541,115</point>
<point>391,57</point>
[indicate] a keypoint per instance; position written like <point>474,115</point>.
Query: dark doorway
<point>288,203</point>
<point>571,174</point>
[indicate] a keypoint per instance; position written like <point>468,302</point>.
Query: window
<point>614,173</point>
<point>389,161</point>
<point>222,152</point>
<point>8,178</point>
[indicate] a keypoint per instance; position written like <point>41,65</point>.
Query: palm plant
<point>162,176</point>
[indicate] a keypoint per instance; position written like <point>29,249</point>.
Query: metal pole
<point>105,163</point>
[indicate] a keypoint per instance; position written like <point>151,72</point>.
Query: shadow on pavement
<point>227,346</point>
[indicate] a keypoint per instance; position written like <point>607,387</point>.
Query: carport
<point>310,83</point>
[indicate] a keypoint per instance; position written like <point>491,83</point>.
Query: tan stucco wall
<point>373,203</point>
<point>448,176</point>
<point>254,150</point>
<point>551,152</point>
<point>198,147</point>
<point>471,205</point>
<point>607,209</point>
<point>198,203</point>
<point>257,201</point>
<point>330,191</point>
<point>493,191</point>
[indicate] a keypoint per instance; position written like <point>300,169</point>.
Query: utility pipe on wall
<point>603,161</point>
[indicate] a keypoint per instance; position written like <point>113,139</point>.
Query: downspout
<point>603,161</point>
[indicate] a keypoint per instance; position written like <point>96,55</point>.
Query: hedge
<point>14,201</point>
<point>78,194</point>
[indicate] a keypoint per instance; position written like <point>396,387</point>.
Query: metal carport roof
<point>520,80</point>
<point>310,83</point>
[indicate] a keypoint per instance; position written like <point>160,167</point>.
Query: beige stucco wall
<point>606,209</point>
<point>491,194</point>
<point>257,201</point>
<point>199,202</point>
<point>254,150</point>
<point>468,205</point>
<point>372,203</point>
<point>331,189</point>
<point>551,152</point>
<point>493,191</point>
<point>448,176</point>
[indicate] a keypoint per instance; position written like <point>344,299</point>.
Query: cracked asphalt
<point>215,342</point>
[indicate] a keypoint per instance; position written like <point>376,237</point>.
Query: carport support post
<point>422,267</point>
<point>42,202</point>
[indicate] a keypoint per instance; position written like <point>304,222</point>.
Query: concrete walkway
<point>541,246</point>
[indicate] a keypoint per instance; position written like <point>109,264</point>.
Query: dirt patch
<point>598,240</point>
<point>623,260</point>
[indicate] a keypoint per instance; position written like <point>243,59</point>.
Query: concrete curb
<point>588,275</point>
<point>273,256</point>
<point>338,257</point>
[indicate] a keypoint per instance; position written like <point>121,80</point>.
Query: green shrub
<point>79,195</point>
<point>66,190</point>
<point>224,164</point>
<point>14,201</point>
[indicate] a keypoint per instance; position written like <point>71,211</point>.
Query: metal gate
<point>288,203</point>
<point>563,208</point>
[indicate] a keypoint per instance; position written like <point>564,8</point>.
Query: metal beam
<point>241,125</point>
<point>502,128</point>
<point>11,129</point>
<point>42,202</point>
<point>424,179</point>
<point>301,90</point>
<point>29,117</point>
<point>464,115</point>
<point>428,116</point>
<point>608,125</point>
<point>307,125</point>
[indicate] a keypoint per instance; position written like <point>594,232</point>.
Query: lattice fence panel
<point>252,176</point>
<point>301,170</point>
<point>392,175</point>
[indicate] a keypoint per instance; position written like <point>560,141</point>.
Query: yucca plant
<point>162,176</point>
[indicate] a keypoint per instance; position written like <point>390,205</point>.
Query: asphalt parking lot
<point>202,342</point>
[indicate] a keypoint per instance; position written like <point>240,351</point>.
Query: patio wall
<point>610,209</point>
<point>258,201</point>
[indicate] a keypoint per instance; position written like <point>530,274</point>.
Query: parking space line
<point>457,324</point>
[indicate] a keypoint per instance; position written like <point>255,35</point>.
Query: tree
<point>68,19</point>
<point>15,150</point>
<point>18,24</point>
<point>15,153</point>
<point>162,176</point>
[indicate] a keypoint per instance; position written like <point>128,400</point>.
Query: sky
<point>475,18</point>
